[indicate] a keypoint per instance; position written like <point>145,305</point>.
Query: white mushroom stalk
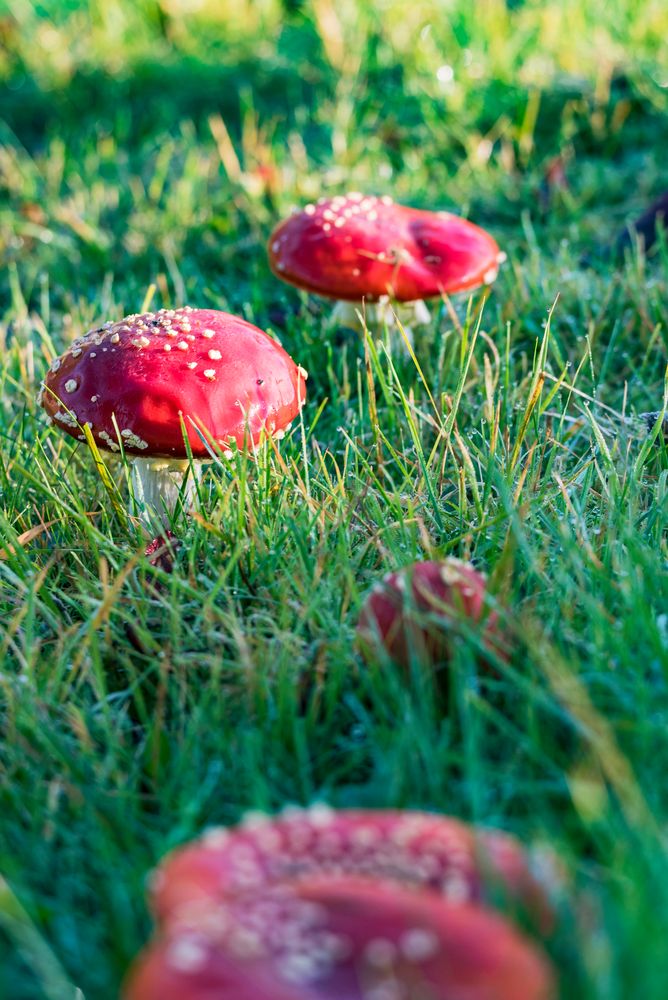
<point>393,316</point>
<point>159,484</point>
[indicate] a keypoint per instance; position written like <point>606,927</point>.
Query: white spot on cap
<point>309,210</point>
<point>297,967</point>
<point>132,440</point>
<point>186,955</point>
<point>216,836</point>
<point>254,819</point>
<point>69,419</point>
<point>191,364</point>
<point>455,887</point>
<point>320,814</point>
<point>210,373</point>
<point>380,953</point>
<point>417,945</point>
<point>302,372</point>
<point>490,276</point>
<point>166,347</point>
<point>182,345</point>
<point>71,385</point>
<point>215,355</point>
<point>208,333</point>
<point>109,441</point>
<point>56,365</point>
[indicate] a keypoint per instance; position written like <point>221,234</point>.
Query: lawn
<point>147,148</point>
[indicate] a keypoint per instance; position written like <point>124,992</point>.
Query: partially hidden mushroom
<point>172,384</point>
<point>380,258</point>
<point>350,905</point>
<point>417,613</point>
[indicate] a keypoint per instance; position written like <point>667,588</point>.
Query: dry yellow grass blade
<point>26,537</point>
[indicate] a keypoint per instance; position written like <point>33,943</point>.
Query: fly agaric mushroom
<point>415,612</point>
<point>349,905</point>
<point>435,854</point>
<point>339,938</point>
<point>357,248</point>
<point>150,382</point>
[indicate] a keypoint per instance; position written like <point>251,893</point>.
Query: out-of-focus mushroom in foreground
<point>349,905</point>
<point>370,253</point>
<point>152,382</point>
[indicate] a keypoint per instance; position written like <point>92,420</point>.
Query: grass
<point>146,150</point>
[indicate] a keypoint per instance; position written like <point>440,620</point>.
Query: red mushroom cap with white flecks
<point>341,939</point>
<point>416,610</point>
<point>433,852</point>
<point>151,372</point>
<point>357,247</point>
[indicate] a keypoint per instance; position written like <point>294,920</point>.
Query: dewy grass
<point>145,154</point>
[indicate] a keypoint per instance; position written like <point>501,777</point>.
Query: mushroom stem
<point>157,484</point>
<point>384,312</point>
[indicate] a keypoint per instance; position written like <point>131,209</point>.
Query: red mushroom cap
<point>211,370</point>
<point>415,608</point>
<point>361,247</point>
<point>422,850</point>
<point>341,939</point>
